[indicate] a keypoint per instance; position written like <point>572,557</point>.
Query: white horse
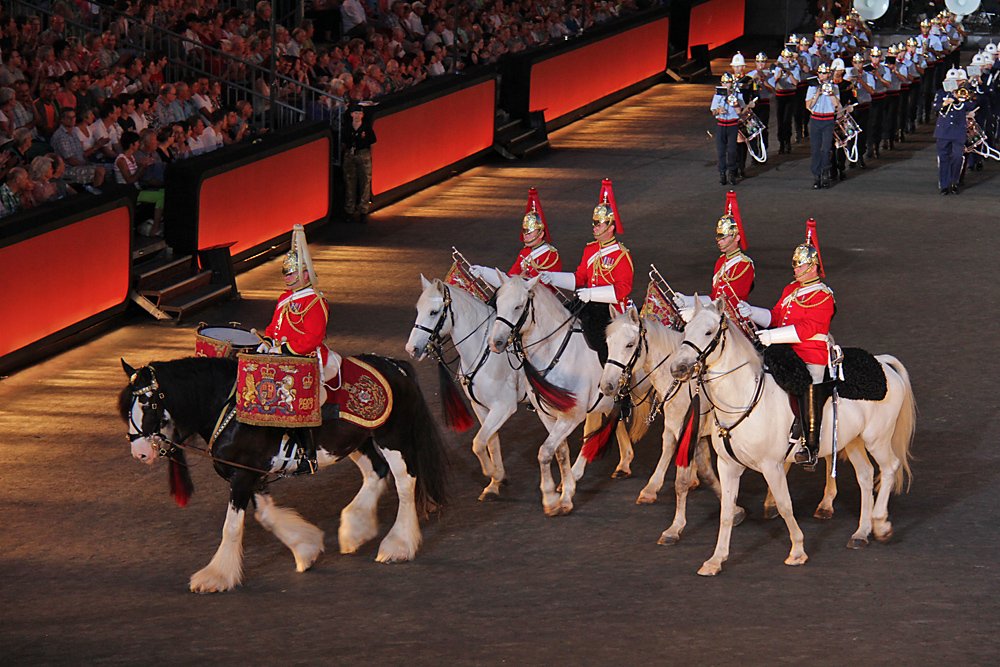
<point>493,386</point>
<point>532,316</point>
<point>640,347</point>
<point>752,419</point>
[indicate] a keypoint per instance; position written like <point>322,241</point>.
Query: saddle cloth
<point>864,377</point>
<point>360,394</point>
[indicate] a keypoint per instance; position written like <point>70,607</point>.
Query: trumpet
<point>673,315</point>
<point>959,96</point>
<point>465,266</point>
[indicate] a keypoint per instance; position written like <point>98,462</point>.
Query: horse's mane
<point>462,297</point>
<point>193,389</point>
<point>548,300</point>
<point>661,336</point>
<point>746,349</point>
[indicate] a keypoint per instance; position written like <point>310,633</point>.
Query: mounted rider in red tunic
<point>802,319</point>
<point>538,253</point>
<point>300,318</point>
<point>733,276</point>
<point>604,276</point>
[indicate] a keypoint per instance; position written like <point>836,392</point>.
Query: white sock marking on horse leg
<point>403,540</point>
<point>729,477</point>
<point>359,520</point>
<point>667,445</point>
<point>566,476</point>
<point>303,538</point>
<point>625,451</point>
<point>225,571</point>
<point>774,474</point>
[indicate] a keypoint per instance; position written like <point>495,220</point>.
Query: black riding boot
<point>594,320</point>
<point>811,413</point>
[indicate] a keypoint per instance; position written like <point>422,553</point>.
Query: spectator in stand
<point>63,188</point>
<point>199,96</point>
<point>185,107</point>
<point>413,15</point>
<point>12,70</point>
<point>7,96</point>
<point>8,160</point>
<point>108,132</point>
<point>153,175</point>
<point>69,148</point>
<point>262,17</point>
<point>46,109</point>
<point>129,170</point>
<point>433,37</point>
<point>358,137</point>
<point>55,32</point>
<point>166,108</point>
<point>179,149</point>
<point>85,135</point>
<point>142,117</point>
<point>20,147</point>
<point>41,172</point>
<point>15,193</point>
<point>66,96</point>
<point>353,19</point>
<point>196,140</point>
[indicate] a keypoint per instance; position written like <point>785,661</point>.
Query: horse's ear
<point>438,285</point>
<point>697,304</point>
<point>532,282</point>
<point>129,371</point>
<point>503,276</point>
<point>424,283</point>
<point>633,315</point>
<point>720,305</point>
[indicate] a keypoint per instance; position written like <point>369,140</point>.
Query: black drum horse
<point>167,403</point>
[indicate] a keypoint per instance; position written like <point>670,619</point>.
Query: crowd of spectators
<point>70,99</point>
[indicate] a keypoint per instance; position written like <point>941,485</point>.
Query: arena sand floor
<point>96,557</point>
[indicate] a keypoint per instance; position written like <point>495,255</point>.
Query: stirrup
<point>806,457</point>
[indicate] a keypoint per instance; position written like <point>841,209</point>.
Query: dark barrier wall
<point>574,79</point>
<point>431,135</point>
<point>64,267</point>
<point>250,194</point>
<point>716,22</point>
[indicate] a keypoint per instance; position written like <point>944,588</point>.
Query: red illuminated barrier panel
<point>419,140</point>
<point>716,22</point>
<point>574,79</point>
<point>259,201</point>
<point>64,277</point>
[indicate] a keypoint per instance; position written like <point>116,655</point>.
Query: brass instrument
<point>977,141</point>
<point>466,268</point>
<point>958,96</point>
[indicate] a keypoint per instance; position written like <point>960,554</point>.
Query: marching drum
<point>977,142</point>
<point>224,341</point>
<point>845,135</point>
<point>751,131</point>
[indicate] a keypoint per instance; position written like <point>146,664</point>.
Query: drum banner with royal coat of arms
<point>458,277</point>
<point>278,390</point>
<point>361,393</point>
<point>659,308</point>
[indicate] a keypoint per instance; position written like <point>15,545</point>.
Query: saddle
<point>864,377</point>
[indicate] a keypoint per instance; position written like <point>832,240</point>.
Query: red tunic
<point>733,278</point>
<point>608,263</point>
<point>300,319</point>
<point>530,261</point>
<point>809,308</point>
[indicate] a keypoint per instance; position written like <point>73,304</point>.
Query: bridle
<point>629,367</point>
<point>446,312</point>
<point>151,393</point>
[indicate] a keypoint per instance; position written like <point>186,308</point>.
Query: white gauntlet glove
<point>759,316</point>
<point>560,279</point>
<point>603,294</point>
<point>486,274</point>
<point>779,335</point>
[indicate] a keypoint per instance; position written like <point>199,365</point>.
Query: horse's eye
<point>708,333</point>
<point>630,346</point>
<point>518,307</point>
<point>143,400</point>
<point>435,312</point>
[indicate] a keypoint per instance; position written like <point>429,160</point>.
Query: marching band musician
<point>983,107</point>
<point>727,105</point>
<point>538,253</point>
<point>951,129</point>
<point>802,318</point>
<point>744,87</point>
<point>820,50</point>
<point>916,67</point>
<point>930,45</point>
<point>848,96</point>
<point>733,276</point>
<point>877,119</point>
<point>786,79</point>
<point>823,103</point>
<point>807,66</point>
<point>604,276</point>
<point>762,89</point>
<point>890,121</point>
<point>300,318</point>
<point>864,85</point>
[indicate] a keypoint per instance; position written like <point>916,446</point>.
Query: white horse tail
<point>906,420</point>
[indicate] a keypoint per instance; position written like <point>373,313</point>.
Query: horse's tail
<point>639,421</point>
<point>456,413</point>
<point>181,485</point>
<point>596,442</point>
<point>906,420</point>
<point>425,454</point>
<point>557,398</point>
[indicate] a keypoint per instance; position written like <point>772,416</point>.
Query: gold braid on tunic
<point>601,271</point>
<point>287,312</point>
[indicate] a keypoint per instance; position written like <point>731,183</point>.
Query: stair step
<point>535,148</point>
<point>195,299</point>
<point>170,292</point>
<point>144,247</point>
<point>159,272</point>
<point>521,136</point>
<point>508,126</point>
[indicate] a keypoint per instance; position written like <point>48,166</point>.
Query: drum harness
<point>167,446</point>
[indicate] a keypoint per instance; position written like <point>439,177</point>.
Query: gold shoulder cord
<point>301,316</point>
<point>545,267</point>
<point>803,304</point>
<point>601,271</point>
<point>729,278</point>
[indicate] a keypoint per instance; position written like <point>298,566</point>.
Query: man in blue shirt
<point>864,85</point>
<point>727,104</point>
<point>877,121</point>
<point>953,103</point>
<point>785,75</point>
<point>823,103</point>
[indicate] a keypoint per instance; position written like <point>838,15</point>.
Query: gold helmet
<point>819,33</point>
<point>298,262</point>
<point>731,223</point>
<point>726,226</point>
<point>785,53</point>
<point>727,78</point>
<point>827,25</point>
<point>911,41</point>
<point>823,68</point>
<point>926,23</point>
<point>808,252</point>
<point>804,41</point>
<point>892,50</point>
<point>858,58</point>
<point>533,220</point>
<point>761,57</point>
<point>875,52</point>
<point>606,211</point>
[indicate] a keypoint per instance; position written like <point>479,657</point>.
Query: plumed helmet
<point>298,261</point>
<point>534,219</point>
<point>731,223</point>
<point>808,252</point>
<point>738,60</point>
<point>606,211</point>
